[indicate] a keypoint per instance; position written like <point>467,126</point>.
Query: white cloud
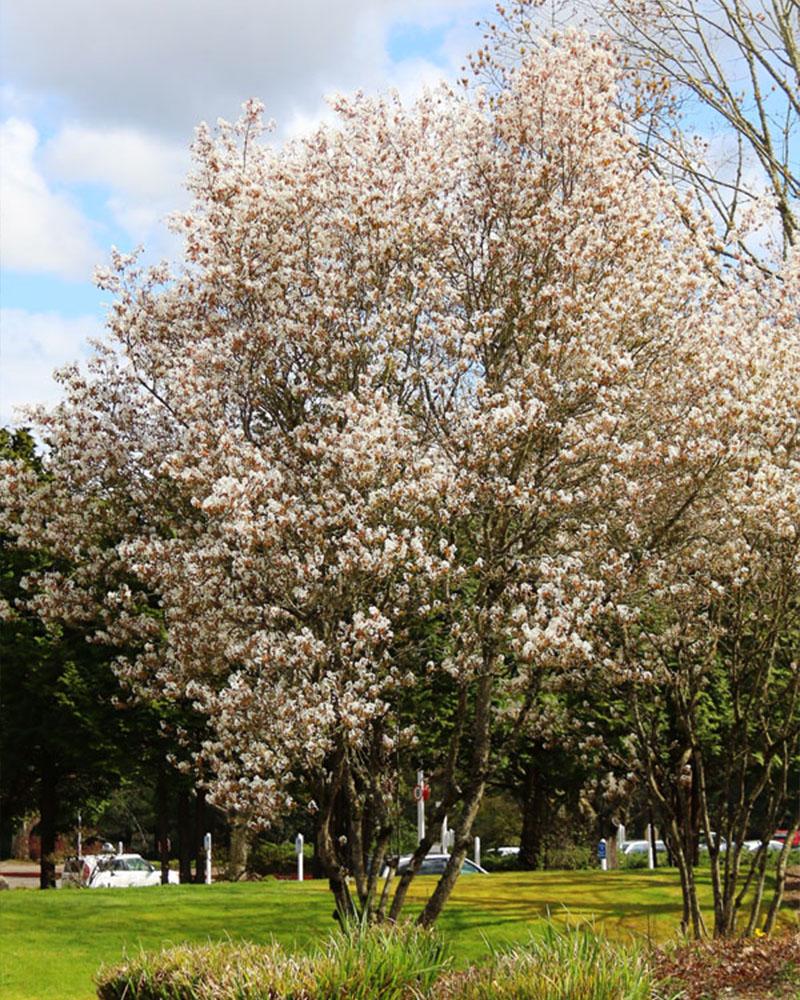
<point>40,229</point>
<point>166,66</point>
<point>32,345</point>
<point>140,165</point>
<point>142,176</point>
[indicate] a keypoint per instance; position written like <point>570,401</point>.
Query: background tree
<point>74,738</point>
<point>711,91</point>
<point>713,650</point>
<point>63,743</point>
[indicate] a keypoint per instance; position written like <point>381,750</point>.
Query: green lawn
<point>51,943</point>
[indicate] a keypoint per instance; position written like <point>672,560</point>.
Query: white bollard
<point>650,859</point>
<point>477,854</point>
<point>419,795</point>
<point>298,850</point>
<point>207,847</point>
<point>601,854</point>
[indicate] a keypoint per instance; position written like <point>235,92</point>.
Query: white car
<point>753,845</point>
<point>112,871</point>
<point>642,847</point>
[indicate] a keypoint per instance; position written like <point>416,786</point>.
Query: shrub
<point>496,863</point>
<point>276,859</point>
<point>571,857</point>
<point>635,861</point>
<point>394,963</point>
<point>566,857</point>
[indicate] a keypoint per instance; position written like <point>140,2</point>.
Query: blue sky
<point>98,103</point>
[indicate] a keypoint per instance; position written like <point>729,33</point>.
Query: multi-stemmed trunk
<point>479,764</point>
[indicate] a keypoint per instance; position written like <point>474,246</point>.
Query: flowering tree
<point>710,657</point>
<point>424,370</point>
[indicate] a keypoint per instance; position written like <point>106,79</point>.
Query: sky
<point>98,106</point>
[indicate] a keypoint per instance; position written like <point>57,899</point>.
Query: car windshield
<point>131,865</point>
<point>436,866</point>
<point>137,865</point>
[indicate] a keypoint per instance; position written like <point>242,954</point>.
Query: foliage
<point>392,963</point>
<point>267,858</point>
<point>560,857</point>
<point>62,741</point>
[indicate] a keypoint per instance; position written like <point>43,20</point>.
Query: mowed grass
<point>52,943</point>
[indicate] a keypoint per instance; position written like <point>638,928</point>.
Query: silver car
<point>435,864</point>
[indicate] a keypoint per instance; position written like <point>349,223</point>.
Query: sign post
<point>207,848</point>
<point>298,850</point>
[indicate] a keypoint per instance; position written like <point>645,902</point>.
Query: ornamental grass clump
<point>393,963</point>
<point>388,961</point>
<point>572,964</point>
<point>215,971</point>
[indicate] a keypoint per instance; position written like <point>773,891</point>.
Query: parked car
<point>642,847</point>
<point>753,845</point>
<point>112,871</point>
<point>506,852</point>
<point>435,864</point>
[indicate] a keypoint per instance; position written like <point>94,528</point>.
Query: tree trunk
<point>185,836</point>
<point>330,820</point>
<point>345,910</point>
<point>780,878</point>
<point>399,898</point>
<point>48,809</point>
<point>161,809</point>
<point>239,851</point>
<point>199,832</point>
<point>533,819</point>
<point>611,847</point>
<point>21,842</point>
